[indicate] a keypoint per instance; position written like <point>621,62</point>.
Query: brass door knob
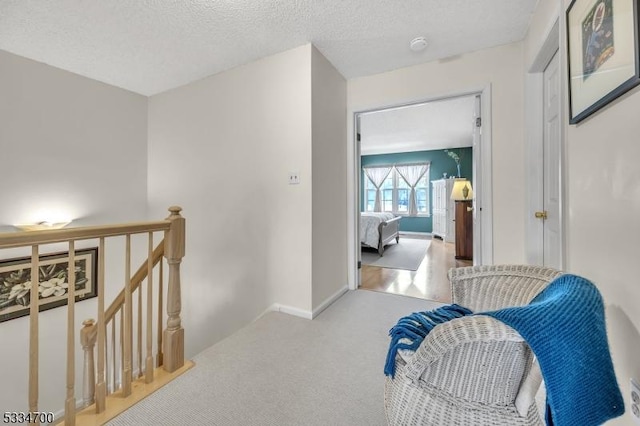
<point>541,215</point>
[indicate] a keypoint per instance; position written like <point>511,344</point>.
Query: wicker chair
<point>473,370</point>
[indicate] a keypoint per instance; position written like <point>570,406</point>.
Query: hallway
<point>428,282</point>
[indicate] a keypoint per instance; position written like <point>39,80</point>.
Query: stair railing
<point>117,320</point>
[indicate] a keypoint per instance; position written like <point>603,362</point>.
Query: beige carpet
<point>284,370</point>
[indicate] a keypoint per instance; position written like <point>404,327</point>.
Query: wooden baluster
<point>33,332</point>
<point>107,370</point>
<point>139,340</point>
<point>128,323</point>
<point>113,351</point>
<point>148,369</point>
<point>121,360</point>
<point>174,252</point>
<point>70,402</point>
<point>101,391</point>
<point>88,336</point>
<point>160,312</point>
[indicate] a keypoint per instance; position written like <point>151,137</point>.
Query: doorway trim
<point>534,124</point>
<point>481,160</point>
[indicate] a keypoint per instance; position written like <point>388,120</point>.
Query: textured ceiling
<point>149,46</point>
<point>432,125</point>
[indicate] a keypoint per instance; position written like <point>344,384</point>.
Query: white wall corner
<point>289,310</point>
<point>324,305</point>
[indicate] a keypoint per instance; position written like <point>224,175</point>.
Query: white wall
<point>603,193</point>
<point>501,67</point>
<point>71,144</point>
<point>75,147</point>
<point>222,149</point>
<point>329,149</point>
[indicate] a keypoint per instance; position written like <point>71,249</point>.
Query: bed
<point>379,229</point>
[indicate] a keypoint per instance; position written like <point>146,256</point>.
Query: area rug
<point>407,254</point>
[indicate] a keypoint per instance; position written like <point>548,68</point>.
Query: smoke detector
<point>418,44</point>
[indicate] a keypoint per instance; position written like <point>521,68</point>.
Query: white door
<point>550,213</point>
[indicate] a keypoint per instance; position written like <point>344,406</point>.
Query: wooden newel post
<point>88,341</point>
<point>173,337</point>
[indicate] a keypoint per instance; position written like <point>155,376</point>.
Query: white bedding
<point>369,222</point>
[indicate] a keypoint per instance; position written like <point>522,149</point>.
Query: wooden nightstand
<point>464,230</point>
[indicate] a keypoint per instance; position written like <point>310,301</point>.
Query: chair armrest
<point>520,374</point>
<point>447,336</point>
<point>475,358</point>
<point>491,287</point>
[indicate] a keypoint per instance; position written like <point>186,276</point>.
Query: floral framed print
<point>53,282</point>
<point>602,41</point>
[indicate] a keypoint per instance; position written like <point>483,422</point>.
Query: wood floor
<point>428,282</point>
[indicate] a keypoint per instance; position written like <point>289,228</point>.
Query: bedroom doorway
<point>447,137</point>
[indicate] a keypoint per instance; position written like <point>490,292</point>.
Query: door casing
<point>534,150</point>
<point>483,191</point>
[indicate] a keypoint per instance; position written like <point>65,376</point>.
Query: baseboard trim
<point>324,305</point>
<point>290,310</point>
<point>417,234</point>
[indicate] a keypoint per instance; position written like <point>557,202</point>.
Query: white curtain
<point>412,174</point>
<point>377,175</point>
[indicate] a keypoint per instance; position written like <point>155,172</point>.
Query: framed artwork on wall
<point>53,282</point>
<point>602,42</point>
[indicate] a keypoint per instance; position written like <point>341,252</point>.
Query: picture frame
<point>603,53</point>
<point>15,282</point>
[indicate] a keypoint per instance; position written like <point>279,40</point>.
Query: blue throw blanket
<point>565,327</point>
<point>415,327</point>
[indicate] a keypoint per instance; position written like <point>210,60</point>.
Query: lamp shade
<point>461,190</point>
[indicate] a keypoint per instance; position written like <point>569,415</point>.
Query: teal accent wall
<point>440,163</point>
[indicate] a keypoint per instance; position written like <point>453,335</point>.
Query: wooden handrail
<point>136,279</point>
<point>22,239</point>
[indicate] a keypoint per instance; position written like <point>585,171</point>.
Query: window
<point>403,191</point>
<point>371,195</point>
<point>395,192</point>
<point>387,193</point>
